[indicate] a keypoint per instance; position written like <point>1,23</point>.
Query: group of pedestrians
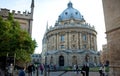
<point>75,68</point>
<point>31,70</point>
<point>84,70</point>
<point>102,70</point>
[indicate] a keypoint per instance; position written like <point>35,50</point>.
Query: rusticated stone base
<point>114,70</point>
<point>114,52</point>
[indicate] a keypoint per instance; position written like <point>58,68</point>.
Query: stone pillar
<point>95,43</point>
<point>90,41</point>
<point>56,41</point>
<point>112,23</point>
<point>88,36</point>
<point>80,40</point>
<point>68,40</point>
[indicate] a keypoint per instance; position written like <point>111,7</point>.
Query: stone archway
<point>87,57</point>
<point>61,60</point>
<point>51,60</point>
<point>74,60</point>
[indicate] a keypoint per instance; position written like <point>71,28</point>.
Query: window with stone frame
<point>84,46</point>
<point>84,37</point>
<point>65,23</point>
<point>62,38</point>
<point>62,47</point>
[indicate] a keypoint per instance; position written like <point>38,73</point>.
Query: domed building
<point>71,41</point>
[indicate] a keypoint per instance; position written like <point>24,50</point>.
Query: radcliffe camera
<point>59,38</point>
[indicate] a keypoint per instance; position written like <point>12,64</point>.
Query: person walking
<point>102,70</point>
<point>10,69</point>
<point>83,70</point>
<point>77,68</point>
<point>1,72</point>
<point>41,68</point>
<point>22,72</point>
<point>30,70</point>
<point>74,68</point>
<point>33,68</point>
<point>87,70</point>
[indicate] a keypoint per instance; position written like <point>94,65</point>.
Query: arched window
<point>61,60</point>
<point>74,60</point>
<point>51,60</point>
<point>87,57</point>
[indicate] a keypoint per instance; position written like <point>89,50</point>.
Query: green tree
<point>14,40</point>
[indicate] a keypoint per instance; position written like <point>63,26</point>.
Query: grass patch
<point>96,69</point>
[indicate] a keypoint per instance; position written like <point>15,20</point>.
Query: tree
<point>14,40</point>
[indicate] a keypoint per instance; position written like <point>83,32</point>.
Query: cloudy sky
<point>49,10</point>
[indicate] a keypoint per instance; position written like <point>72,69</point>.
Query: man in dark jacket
<point>87,70</point>
<point>83,70</point>
<point>30,70</point>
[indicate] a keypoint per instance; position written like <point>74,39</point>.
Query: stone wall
<point>112,23</point>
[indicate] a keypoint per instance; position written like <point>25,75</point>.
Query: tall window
<point>84,46</point>
<point>84,37</point>
<point>62,46</point>
<point>62,38</point>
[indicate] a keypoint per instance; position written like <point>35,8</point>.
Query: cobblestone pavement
<point>73,74</point>
<point>66,74</point>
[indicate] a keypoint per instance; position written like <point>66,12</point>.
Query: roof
<point>70,13</point>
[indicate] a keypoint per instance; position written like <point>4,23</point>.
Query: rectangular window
<point>84,46</point>
<point>62,46</point>
<point>62,38</point>
<point>84,37</point>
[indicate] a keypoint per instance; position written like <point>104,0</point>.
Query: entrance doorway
<point>61,60</point>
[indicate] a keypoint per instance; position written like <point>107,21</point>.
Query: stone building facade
<point>104,55</point>
<point>70,41</point>
<point>36,58</point>
<point>112,23</point>
<point>25,19</point>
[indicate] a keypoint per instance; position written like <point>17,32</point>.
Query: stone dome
<point>70,13</point>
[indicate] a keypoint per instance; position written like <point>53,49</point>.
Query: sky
<point>47,11</point>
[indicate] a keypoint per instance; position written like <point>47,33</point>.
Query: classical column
<point>68,40</point>
<point>56,41</point>
<point>80,40</point>
<point>95,43</point>
<point>88,41</point>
